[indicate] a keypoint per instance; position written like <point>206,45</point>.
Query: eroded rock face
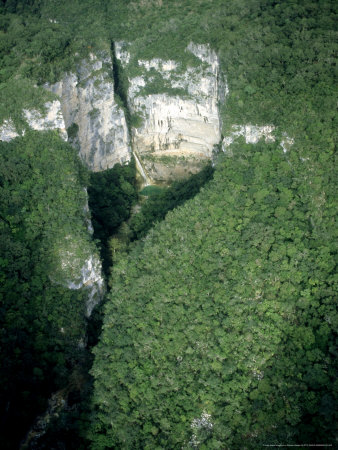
<point>50,119</point>
<point>77,265</point>
<point>251,133</point>
<point>96,124</point>
<point>255,133</point>
<point>90,277</point>
<point>180,127</point>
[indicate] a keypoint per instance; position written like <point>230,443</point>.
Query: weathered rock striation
<point>95,122</point>
<point>180,126</point>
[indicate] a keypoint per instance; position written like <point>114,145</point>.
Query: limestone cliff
<point>50,118</point>
<point>95,122</point>
<point>179,127</point>
<point>173,110</point>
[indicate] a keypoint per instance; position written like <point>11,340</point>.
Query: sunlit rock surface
<point>49,119</point>
<point>77,265</point>
<point>8,131</point>
<point>253,134</point>
<point>90,276</point>
<point>95,122</point>
<point>179,128</point>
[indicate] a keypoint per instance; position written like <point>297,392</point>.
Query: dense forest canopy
<point>225,309</point>
<point>220,327</point>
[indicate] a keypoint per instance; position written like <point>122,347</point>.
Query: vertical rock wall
<point>95,122</point>
<point>178,128</point>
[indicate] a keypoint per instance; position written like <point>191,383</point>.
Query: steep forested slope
<point>219,331</point>
<point>42,321</point>
<point>226,309</point>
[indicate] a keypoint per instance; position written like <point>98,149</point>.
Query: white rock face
<point>251,133</point>
<point>77,265</point>
<point>255,133</point>
<point>8,131</point>
<point>87,100</point>
<point>121,52</point>
<point>91,277</point>
<point>160,65</point>
<point>51,119</point>
<point>77,262</point>
<point>178,131</point>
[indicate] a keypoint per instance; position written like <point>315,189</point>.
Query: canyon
<point>115,106</point>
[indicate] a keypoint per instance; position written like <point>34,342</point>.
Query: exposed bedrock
<point>179,127</point>
<point>95,122</point>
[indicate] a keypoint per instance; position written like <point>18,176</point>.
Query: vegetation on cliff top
<point>220,328</point>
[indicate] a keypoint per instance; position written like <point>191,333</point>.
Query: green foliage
<point>112,193</point>
<point>72,131</point>
<point>226,308</point>
<point>161,201</point>
<point>38,43</point>
<point>136,120</point>
<point>41,322</point>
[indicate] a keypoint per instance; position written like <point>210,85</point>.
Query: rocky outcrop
<point>84,266</point>
<point>95,122</point>
<point>87,112</point>
<point>8,131</point>
<point>77,265</point>
<point>253,134</point>
<point>174,112</point>
<point>90,277</point>
<point>50,118</point>
<point>178,128</point>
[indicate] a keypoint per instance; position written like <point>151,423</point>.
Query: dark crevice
<point>120,84</point>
